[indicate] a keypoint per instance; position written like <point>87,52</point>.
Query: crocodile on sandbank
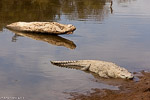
<point>102,68</point>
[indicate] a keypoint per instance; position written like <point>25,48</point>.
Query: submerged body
<point>102,68</point>
<point>42,27</point>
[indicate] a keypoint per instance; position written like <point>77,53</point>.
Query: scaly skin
<point>42,27</point>
<point>102,68</point>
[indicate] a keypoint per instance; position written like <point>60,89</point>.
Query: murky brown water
<point>119,34</point>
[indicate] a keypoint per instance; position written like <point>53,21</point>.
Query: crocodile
<point>42,27</point>
<point>102,68</point>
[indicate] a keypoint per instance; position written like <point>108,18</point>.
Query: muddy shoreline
<point>128,90</point>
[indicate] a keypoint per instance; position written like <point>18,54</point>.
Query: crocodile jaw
<point>127,76</point>
<point>124,74</point>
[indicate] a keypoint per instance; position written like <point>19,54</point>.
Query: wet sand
<point>128,90</point>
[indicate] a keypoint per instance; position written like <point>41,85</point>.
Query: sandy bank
<point>131,90</point>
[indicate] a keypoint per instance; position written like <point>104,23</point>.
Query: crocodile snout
<point>131,77</point>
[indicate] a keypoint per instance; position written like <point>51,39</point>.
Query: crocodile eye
<point>123,76</point>
<point>122,70</point>
<point>69,25</point>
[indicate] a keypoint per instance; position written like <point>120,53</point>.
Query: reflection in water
<point>28,10</point>
<point>124,1</point>
<point>85,9</point>
<point>51,10</point>
<point>111,4</point>
<point>51,39</point>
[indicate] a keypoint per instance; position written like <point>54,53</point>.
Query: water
<point>119,34</point>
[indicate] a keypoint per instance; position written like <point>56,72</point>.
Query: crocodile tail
<point>63,62</point>
<point>67,64</point>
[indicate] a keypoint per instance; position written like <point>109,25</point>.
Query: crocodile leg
<point>85,68</point>
<point>103,74</point>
